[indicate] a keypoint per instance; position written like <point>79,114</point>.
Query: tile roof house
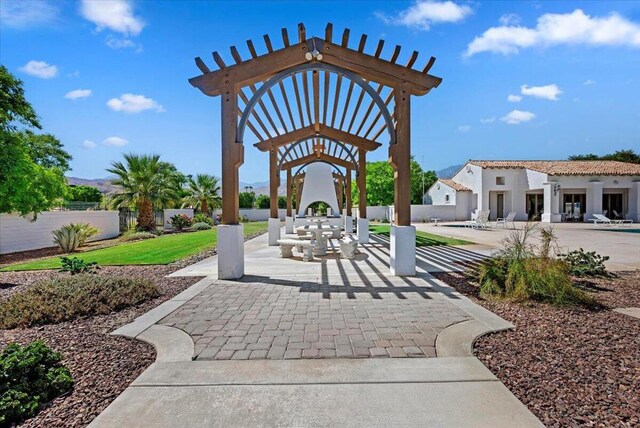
<point>550,191</point>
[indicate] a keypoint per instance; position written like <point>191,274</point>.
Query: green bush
<point>30,376</point>
<point>72,236</point>
<point>523,271</point>
<point>61,299</point>
<point>137,236</point>
<point>202,218</point>
<point>582,263</point>
<point>263,202</point>
<point>75,265</point>
<point>180,221</point>
<point>201,226</point>
<point>244,219</point>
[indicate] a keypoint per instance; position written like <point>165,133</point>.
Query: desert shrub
<point>137,236</point>
<point>524,271</point>
<point>72,236</point>
<point>74,265</point>
<point>582,263</point>
<point>384,220</point>
<point>30,376</point>
<point>200,226</point>
<point>180,221</point>
<point>202,218</point>
<point>244,219</point>
<point>51,301</point>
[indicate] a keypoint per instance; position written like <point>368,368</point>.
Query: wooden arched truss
<point>316,99</point>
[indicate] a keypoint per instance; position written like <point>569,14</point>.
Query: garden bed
<point>570,366</point>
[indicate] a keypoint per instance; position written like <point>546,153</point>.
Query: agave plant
<point>72,236</point>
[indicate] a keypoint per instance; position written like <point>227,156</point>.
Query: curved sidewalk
<point>308,333</point>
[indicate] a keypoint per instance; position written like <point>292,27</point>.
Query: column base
<point>288,225</point>
<point>363,231</point>
<point>403,251</point>
<point>274,231</point>
<point>551,218</point>
<point>348,224</point>
<point>230,251</point>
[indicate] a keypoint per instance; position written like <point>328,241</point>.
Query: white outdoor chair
<point>481,222</point>
<point>617,215</point>
<point>508,219</point>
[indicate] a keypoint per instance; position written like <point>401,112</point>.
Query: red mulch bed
<point>570,366</point>
<point>102,365</point>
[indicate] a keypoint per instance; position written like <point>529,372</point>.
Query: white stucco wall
<point>259,214</point>
<point>318,186</point>
<point>20,234</point>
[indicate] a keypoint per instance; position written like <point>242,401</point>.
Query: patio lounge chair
<point>481,222</point>
<point>606,221</point>
<point>508,219</point>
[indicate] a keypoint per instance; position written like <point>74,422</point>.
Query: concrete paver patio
<point>307,336</point>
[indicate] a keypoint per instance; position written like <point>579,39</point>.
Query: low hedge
<point>61,299</point>
<point>30,376</point>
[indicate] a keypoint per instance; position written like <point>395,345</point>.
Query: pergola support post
<point>231,231</point>
<point>274,182</point>
<point>361,180</point>
<point>288,220</point>
<point>403,234</point>
<point>348,218</point>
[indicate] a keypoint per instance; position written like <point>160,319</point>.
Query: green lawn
<point>423,239</point>
<point>159,251</point>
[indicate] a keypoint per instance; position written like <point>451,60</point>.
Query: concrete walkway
<point>310,335</point>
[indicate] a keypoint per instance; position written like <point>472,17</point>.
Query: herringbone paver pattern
<point>286,319</point>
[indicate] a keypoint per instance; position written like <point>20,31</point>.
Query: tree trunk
<point>146,219</point>
<point>204,207</point>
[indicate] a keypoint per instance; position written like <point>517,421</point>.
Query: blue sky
<point>522,80</point>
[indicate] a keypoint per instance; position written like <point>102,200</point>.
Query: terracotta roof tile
<point>596,167</point>
<point>454,185</point>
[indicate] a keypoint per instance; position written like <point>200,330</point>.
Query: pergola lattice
<point>316,100</point>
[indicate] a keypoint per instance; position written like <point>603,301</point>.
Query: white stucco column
<point>363,230</point>
<point>596,200</point>
<point>633,211</point>
<point>230,251</point>
<point>402,260</point>
<point>348,224</point>
<point>288,224</point>
<point>274,231</point>
<point>551,212</point>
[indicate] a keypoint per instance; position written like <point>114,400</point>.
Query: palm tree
<point>145,182</point>
<point>204,193</point>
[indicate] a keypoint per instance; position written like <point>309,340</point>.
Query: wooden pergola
<point>316,100</point>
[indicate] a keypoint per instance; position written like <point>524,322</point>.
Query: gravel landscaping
<point>570,366</point>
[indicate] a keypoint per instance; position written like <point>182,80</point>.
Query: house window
<point>500,181</point>
<point>446,198</point>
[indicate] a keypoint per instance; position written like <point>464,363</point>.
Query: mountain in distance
<point>448,172</point>
<point>102,184</point>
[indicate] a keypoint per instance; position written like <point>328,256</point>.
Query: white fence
<point>20,234</point>
<point>418,212</point>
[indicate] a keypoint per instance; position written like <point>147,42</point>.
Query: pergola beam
<point>313,157</point>
<point>310,131</point>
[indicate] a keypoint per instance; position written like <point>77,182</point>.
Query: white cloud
<point>78,93</point>
<point>116,15</point>
<point>515,117</point>
<point>117,43</point>
<point>423,13</point>
<point>88,144</point>
<point>589,82</point>
<point>488,120</point>
<point>514,98</point>
<point>575,28</point>
<point>510,19</point>
<point>464,128</point>
<point>24,14</point>
<point>131,103</point>
<point>115,141</point>
<point>549,92</point>
<point>40,69</point>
